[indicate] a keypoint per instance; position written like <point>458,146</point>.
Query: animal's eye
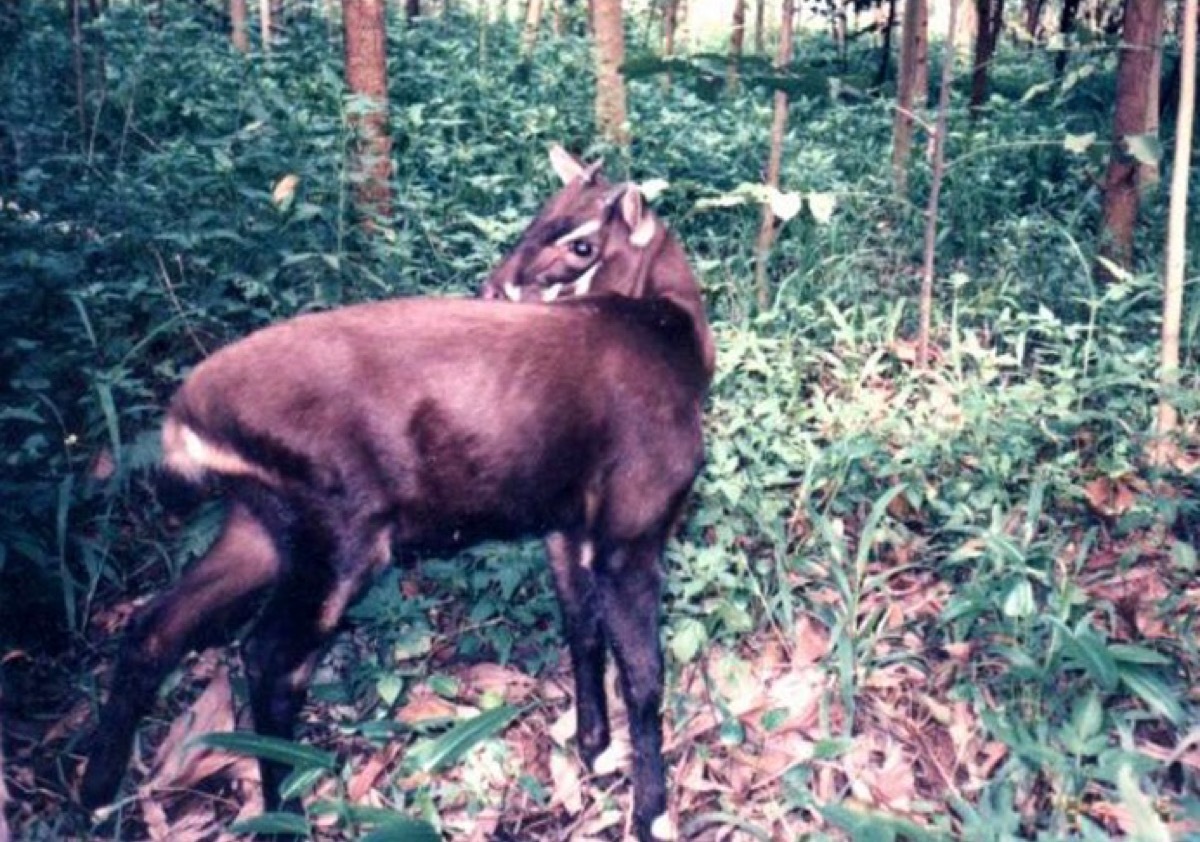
<point>582,248</point>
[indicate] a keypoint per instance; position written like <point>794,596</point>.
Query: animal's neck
<point>664,273</point>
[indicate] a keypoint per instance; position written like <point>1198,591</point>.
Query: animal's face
<point>585,240</point>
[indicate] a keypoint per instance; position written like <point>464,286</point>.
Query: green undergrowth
<point>135,244</point>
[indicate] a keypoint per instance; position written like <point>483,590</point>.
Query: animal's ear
<point>568,168</point>
<point>642,224</point>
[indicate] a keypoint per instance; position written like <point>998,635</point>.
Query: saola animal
<point>429,424</point>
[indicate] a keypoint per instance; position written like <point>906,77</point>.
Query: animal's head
<point>591,237</point>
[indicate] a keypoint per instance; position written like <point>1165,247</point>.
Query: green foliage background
<point>135,240</point>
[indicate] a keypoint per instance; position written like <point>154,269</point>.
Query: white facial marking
<point>585,230</point>
<point>512,292</point>
<point>663,828</point>
<point>551,293</point>
<point>584,284</point>
<point>587,554</point>
<point>607,761</point>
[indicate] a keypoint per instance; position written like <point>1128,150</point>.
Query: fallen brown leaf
<point>178,764</point>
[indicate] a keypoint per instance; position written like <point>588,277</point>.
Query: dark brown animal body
<point>430,424</point>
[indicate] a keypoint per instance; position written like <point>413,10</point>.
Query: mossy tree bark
<point>237,21</point>
<point>1066,25</point>
<point>760,35</point>
<point>737,42</point>
<point>911,85</point>
<point>670,8</point>
<point>766,229</point>
<point>533,23</point>
<point>366,77</point>
<point>885,48</point>
<point>935,189</point>
<point>611,115</point>
<point>990,20</point>
<point>1121,183</point>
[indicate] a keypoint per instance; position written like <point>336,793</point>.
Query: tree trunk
<point>935,189</point>
<point>237,20</point>
<point>80,80</point>
<point>1121,183</point>
<point>1177,220</point>
<point>838,25</point>
<point>533,22</point>
<point>885,50</point>
<point>760,36</point>
<point>668,48</point>
<point>921,59</point>
<point>1066,25</point>
<point>264,24</point>
<point>913,53</point>
<point>1148,174</point>
<point>611,117</point>
<point>766,229</point>
<point>366,77</point>
<point>990,20</point>
<point>1033,20</point>
<point>737,39</point>
<point>966,31</point>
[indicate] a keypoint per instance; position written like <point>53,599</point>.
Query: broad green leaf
<point>1019,602</point>
<point>832,748</point>
<point>389,686</point>
<point>1115,270</point>
<point>1183,555</point>
<point>732,732</point>
<point>439,752</point>
<point>1088,715</point>
<point>726,200</point>
<point>690,635</point>
<point>785,205</point>
<point>1035,90</point>
<point>653,188</point>
<point>1129,653</point>
<point>865,824</point>
<point>1077,144</point>
<point>403,829</point>
<point>1088,650</point>
<point>1148,826</point>
<point>446,686</point>
<point>866,539</point>
<point>269,748</point>
<point>270,824</point>
<point>1145,148</point>
<point>300,782</point>
<point>1151,689</point>
<point>821,206</point>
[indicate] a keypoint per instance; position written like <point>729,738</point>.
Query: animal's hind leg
<point>204,608</point>
<point>575,584</point>
<point>630,584</point>
<point>325,576</point>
